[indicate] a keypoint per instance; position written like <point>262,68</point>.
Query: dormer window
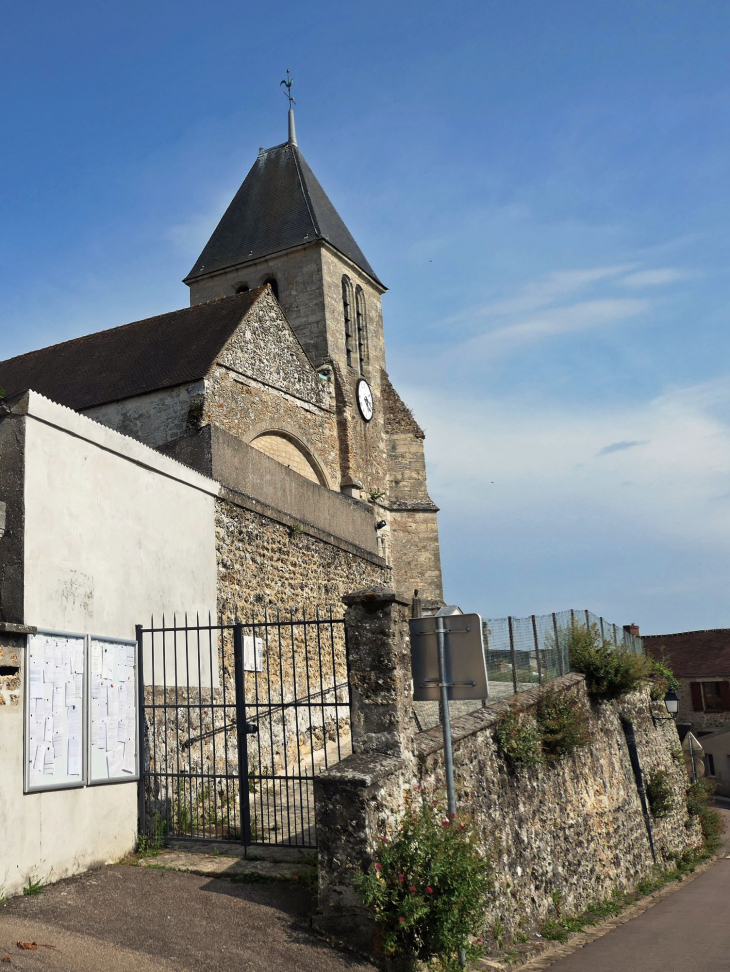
<point>271,281</point>
<point>361,327</point>
<point>351,347</point>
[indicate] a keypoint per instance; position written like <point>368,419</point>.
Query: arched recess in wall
<point>271,281</point>
<point>289,451</point>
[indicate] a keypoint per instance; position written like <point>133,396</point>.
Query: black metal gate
<point>236,721</point>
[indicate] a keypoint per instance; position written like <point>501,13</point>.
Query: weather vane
<point>288,83</point>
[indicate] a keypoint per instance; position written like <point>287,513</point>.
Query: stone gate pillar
<point>381,689</point>
<point>362,793</point>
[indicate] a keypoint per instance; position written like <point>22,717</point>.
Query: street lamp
<point>671,701</point>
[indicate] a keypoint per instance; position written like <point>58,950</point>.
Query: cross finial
<point>292,131</point>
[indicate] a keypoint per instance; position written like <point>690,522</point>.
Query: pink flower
<point>378,867</point>
<point>413,887</point>
<point>479,939</point>
<point>446,823</point>
<point>452,815</point>
<point>401,919</point>
<point>429,890</point>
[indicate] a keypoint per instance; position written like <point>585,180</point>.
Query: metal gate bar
<point>236,721</point>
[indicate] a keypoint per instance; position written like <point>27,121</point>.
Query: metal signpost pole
<point>446,718</point>
<point>446,726</point>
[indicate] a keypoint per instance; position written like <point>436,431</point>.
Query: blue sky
<point>544,189</point>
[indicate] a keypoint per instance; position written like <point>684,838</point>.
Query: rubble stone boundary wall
<point>565,834</point>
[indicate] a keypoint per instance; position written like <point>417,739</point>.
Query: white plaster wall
<point>114,533</point>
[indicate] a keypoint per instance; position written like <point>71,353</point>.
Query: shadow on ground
<point>150,918</point>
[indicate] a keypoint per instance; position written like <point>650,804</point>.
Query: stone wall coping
<point>431,740</point>
<point>376,593</point>
<point>362,769</point>
<point>7,627</point>
<point>263,509</point>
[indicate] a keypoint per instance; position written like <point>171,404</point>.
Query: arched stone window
<point>361,327</point>
<point>242,289</point>
<point>273,284</point>
<point>351,347</point>
<point>287,450</point>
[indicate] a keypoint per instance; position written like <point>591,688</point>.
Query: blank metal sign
<point>465,666</point>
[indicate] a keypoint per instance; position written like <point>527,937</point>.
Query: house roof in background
<point>279,205</point>
<point>130,360</point>
<point>692,652</point>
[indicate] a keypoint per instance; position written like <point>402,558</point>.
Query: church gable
<point>264,347</point>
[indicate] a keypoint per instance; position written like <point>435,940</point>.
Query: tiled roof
<point>280,205</point>
<point>692,652</point>
<point>122,362</point>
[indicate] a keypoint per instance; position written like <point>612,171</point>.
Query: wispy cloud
<point>620,446</point>
<point>552,322</point>
<point>655,278</point>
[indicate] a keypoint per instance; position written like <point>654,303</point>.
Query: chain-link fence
<point>523,652</point>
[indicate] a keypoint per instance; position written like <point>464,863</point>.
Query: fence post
<point>379,655</point>
<point>558,648</point>
<point>241,737</point>
<point>141,802</point>
<point>537,650</point>
<point>513,655</point>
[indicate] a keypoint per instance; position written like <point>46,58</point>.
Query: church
<point>273,383</point>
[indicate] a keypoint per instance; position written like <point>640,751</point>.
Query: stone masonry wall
<point>571,832</point>
<point>574,829</point>
<point>11,661</point>
<point>262,562</point>
<point>153,419</point>
<point>415,554</point>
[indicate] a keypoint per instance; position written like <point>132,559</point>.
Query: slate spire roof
<point>280,205</point>
<point>130,360</point>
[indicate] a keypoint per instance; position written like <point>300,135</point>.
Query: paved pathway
<point>136,919</point>
<point>689,931</point>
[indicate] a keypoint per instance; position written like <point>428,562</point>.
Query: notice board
<point>112,711</point>
<point>80,711</point>
<point>55,676</point>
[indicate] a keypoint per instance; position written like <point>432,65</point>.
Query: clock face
<point>365,399</point>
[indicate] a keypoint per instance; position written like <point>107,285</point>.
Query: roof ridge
<point>678,634</point>
<point>120,327</point>
<point>305,190</point>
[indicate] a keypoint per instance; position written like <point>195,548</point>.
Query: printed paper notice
<point>129,765</point>
<point>114,763</point>
<point>74,720</point>
<point>95,658</point>
<point>36,682</point>
<point>107,661</point>
<point>74,756</point>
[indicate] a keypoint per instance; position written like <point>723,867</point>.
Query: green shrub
<point>699,804</point>
<point>610,671</point>
<point>518,738</point>
<point>426,888</point>
<point>659,794</point>
<point>662,679</point>
<point>562,723</point>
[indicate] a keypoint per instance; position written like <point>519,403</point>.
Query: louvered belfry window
<point>351,348</point>
<point>361,323</point>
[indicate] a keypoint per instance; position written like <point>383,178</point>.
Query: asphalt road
<point>122,918</point>
<point>689,931</point>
